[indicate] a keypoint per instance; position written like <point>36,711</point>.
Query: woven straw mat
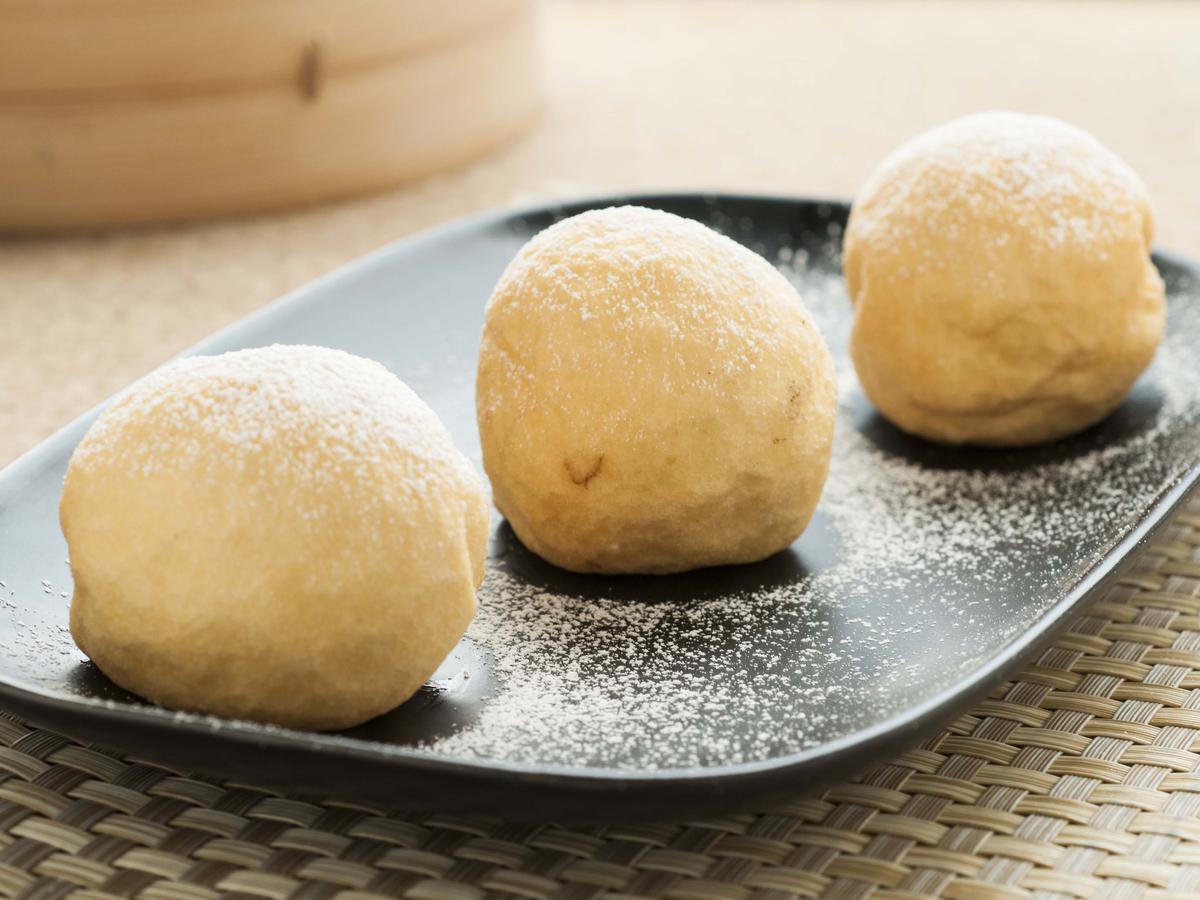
<point>1079,779</point>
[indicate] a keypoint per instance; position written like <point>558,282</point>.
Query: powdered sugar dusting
<point>285,413</point>
<point>921,562</point>
<point>639,282</point>
<point>1022,177</point>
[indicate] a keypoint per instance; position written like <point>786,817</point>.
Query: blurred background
<point>212,111</point>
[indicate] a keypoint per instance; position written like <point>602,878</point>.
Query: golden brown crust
<point>652,397</point>
<point>286,535</point>
<point>1002,283</point>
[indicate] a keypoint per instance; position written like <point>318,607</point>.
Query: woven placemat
<point>1079,779</point>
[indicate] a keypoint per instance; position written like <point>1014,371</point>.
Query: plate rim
<point>911,722</point>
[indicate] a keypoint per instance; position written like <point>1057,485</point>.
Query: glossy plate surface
<point>928,574</point>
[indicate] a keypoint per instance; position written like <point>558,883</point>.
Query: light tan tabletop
<point>790,98</point>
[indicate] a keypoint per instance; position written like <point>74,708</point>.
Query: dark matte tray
<point>928,575</point>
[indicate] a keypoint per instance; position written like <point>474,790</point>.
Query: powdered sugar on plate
<point>921,563</point>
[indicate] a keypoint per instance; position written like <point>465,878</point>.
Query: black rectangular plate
<point>929,574</point>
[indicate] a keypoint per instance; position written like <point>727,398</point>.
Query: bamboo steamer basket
<point>132,111</point>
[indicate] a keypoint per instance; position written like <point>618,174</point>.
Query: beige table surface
<point>794,98</point>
